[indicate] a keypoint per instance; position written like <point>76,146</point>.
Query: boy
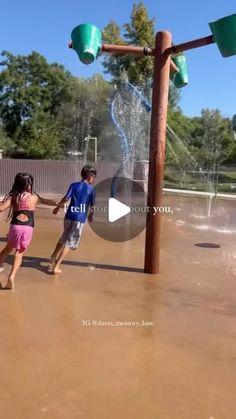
<point>82,199</point>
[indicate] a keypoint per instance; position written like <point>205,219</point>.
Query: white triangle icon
<point>116,210</point>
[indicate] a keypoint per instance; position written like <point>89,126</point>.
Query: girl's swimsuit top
<point>23,208</point>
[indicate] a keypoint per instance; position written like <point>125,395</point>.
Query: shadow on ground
<point>36,262</point>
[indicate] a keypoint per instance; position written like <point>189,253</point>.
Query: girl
<point>21,202</point>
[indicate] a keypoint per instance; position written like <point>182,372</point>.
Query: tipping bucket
<point>224,34</point>
<point>87,42</point>
<point>180,78</point>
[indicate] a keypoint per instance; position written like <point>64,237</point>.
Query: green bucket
<point>180,78</point>
<point>87,42</point>
<point>224,34</point>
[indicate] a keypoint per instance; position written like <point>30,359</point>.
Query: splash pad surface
<point>179,364</point>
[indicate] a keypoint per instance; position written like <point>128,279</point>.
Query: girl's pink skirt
<point>20,237</point>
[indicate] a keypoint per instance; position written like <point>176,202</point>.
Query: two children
<point>21,202</point>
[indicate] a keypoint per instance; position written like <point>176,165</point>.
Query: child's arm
<point>60,204</point>
<point>90,214</point>
<point>4,205</point>
<point>45,201</point>
<point>91,206</point>
<point>65,198</point>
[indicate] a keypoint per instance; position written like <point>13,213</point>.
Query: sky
<point>45,26</point>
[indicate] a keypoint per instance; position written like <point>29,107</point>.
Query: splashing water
<point>133,124</point>
<point>184,153</point>
<point>131,114</point>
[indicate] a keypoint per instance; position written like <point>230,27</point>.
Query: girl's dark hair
<point>23,182</point>
<point>88,171</point>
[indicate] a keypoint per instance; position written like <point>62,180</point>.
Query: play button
<point>120,209</point>
<point>117,210</point>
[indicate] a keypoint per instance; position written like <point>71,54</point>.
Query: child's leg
<point>16,264</point>
<point>62,256</point>
<point>56,252</point>
<point>4,253</point>
<point>54,256</point>
<point>70,238</point>
<point>61,242</point>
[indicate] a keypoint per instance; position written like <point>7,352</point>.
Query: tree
<point>30,87</point>
<point>140,31</point>
<point>40,137</point>
<point>6,145</point>
<point>212,139</point>
<point>212,143</point>
<point>178,150</point>
<point>86,114</point>
<point>234,125</point>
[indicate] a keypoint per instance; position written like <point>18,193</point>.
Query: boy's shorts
<point>71,234</point>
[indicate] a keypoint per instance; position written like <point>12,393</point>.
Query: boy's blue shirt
<point>82,196</point>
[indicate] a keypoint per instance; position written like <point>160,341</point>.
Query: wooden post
<point>157,150</point>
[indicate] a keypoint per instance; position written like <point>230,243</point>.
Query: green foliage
<point>140,31</point>
<point>212,138</point>
<point>208,138</point>
<point>30,87</point>
<point>234,123</point>
<point>45,112</point>
<point>178,150</point>
<point>174,97</point>
<point>201,143</point>
<point>6,145</point>
<point>40,137</point>
<point>86,114</point>
<point>180,124</point>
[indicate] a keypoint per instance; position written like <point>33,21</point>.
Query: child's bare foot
<point>9,285</point>
<point>56,271</point>
<point>52,263</point>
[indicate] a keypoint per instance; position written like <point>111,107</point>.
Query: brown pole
<point>196,43</point>
<point>130,49</point>
<point>127,49</point>
<point>157,150</point>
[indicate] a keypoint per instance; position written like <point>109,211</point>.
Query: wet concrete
<point>181,365</point>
